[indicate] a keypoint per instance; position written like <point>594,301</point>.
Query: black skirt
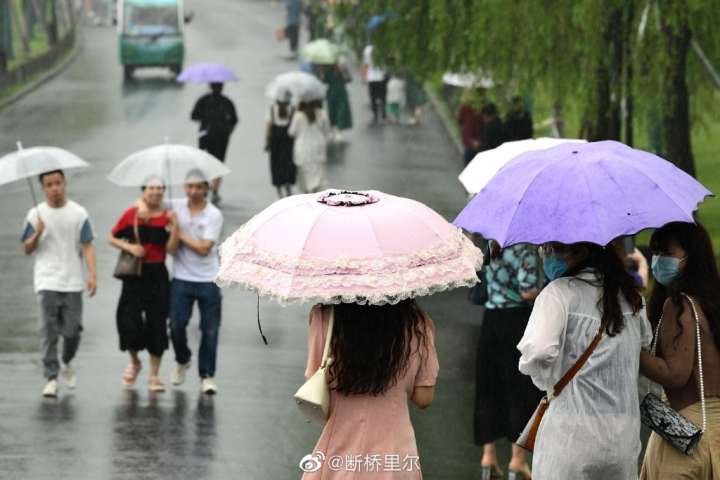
<point>143,310</point>
<point>505,399</point>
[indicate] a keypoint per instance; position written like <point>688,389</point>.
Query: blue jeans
<point>183,295</point>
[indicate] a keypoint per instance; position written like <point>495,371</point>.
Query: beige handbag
<point>128,265</point>
<point>313,397</point>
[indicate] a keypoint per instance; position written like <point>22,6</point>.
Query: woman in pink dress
<point>382,357</point>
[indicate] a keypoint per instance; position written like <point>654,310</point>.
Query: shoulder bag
<point>527,438</point>
<point>662,419</point>
<point>128,265</point>
<point>313,397</point>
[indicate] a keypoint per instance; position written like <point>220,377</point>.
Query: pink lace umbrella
<point>338,246</point>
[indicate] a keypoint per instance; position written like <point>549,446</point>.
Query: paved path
<point>251,429</point>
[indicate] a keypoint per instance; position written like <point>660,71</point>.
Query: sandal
<point>155,385</point>
<point>518,475</point>
<point>131,373</point>
<point>490,472</point>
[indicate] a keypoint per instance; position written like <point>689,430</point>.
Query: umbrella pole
<point>167,168</point>
<point>32,189</point>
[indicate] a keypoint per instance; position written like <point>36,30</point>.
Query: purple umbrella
<point>591,192</point>
<point>206,73</point>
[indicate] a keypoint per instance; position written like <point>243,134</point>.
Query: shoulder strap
<point>328,338</point>
<point>559,386</point>
<point>135,227</point>
<point>699,358</point>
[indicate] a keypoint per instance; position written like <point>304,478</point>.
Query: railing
<point>37,65</point>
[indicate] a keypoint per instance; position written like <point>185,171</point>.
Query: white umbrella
<point>467,80</point>
<point>28,163</point>
<point>301,85</point>
<point>170,162</point>
<point>487,163</point>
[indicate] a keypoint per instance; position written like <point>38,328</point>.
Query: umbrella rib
<point>512,219</point>
<point>634,167</point>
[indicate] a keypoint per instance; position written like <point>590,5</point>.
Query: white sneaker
<point>51,389</point>
<point>177,377</point>
<point>208,386</point>
<point>69,377</point>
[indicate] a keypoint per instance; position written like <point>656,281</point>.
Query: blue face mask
<point>666,269</point>
<point>554,267</point>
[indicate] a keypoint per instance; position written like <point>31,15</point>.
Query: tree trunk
<point>53,23</point>
<point>628,38</point>
<point>606,124</point>
<point>675,102</point>
<point>19,20</point>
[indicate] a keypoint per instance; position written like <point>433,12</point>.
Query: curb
<point>48,75</point>
<point>447,122</point>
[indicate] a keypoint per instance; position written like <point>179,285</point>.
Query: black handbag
<point>657,415</point>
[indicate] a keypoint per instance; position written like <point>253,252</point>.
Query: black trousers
<point>505,399</point>
<point>143,311</point>
<point>292,32</point>
<point>378,98</point>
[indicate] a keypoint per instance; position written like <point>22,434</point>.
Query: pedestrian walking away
<point>686,283</point>
<point>279,144</point>
<point>338,103</point>
<point>148,231</point>
<point>293,11</point>
<point>377,84</point>
<point>60,235</point>
<point>505,398</point>
<point>493,131</point>
<point>196,264</point>
<point>518,123</point>
<point>369,412</point>
<point>310,128</point>
<point>471,125</point>
<point>596,416</point>
<point>415,99</point>
<point>217,116</point>
<point>395,97</point>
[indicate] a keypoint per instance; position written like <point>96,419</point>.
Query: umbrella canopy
<point>321,51</point>
<point>467,80</point>
<point>581,192</point>
<point>336,246</point>
<point>168,162</point>
<point>206,73</point>
<point>302,86</point>
<point>487,163</point>
<point>30,162</point>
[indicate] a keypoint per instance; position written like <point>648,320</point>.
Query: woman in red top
<point>149,293</point>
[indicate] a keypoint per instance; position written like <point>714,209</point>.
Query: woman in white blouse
<point>592,429</point>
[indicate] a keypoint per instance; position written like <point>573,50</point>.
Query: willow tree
<point>603,56</point>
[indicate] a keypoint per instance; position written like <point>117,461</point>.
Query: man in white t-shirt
<point>196,265</point>
<point>59,233</point>
<point>377,84</point>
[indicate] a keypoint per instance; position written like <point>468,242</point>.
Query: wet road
<point>251,429</point>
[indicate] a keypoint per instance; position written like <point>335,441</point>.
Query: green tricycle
<point>150,34</point>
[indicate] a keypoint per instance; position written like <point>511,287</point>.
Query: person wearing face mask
<point>144,304</point>
<point>683,263</point>
<point>591,430</point>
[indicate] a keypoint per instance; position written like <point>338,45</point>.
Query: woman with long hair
<point>280,145</point>
<point>685,270</point>
<point>149,231</point>
<point>310,129</point>
<point>382,358</point>
<point>591,430</point>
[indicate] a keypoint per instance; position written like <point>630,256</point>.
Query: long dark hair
<point>614,280</point>
<point>308,108</point>
<point>699,278</point>
<point>371,345</point>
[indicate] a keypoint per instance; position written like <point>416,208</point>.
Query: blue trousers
<point>183,295</point>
